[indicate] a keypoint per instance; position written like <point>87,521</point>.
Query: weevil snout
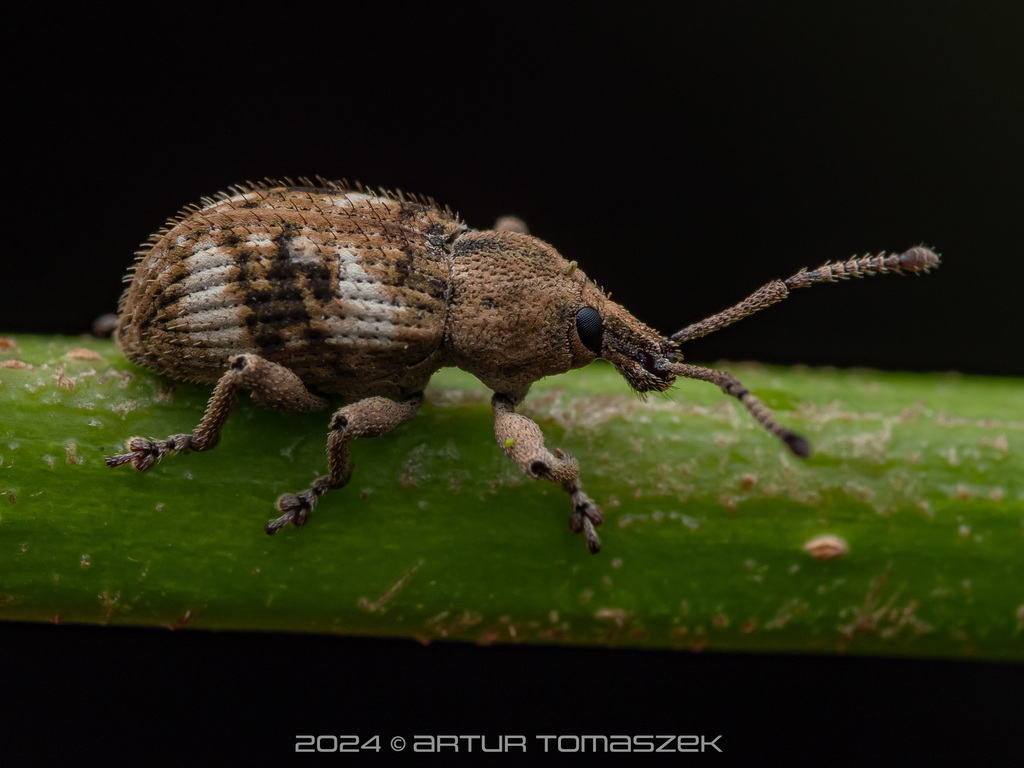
<point>638,352</point>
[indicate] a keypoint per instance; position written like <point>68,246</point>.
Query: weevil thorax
<point>511,310</point>
<point>519,311</point>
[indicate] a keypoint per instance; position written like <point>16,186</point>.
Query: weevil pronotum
<point>301,292</point>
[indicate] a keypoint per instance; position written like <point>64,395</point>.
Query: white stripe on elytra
<point>372,313</point>
<point>209,308</point>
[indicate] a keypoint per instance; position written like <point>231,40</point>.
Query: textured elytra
<point>300,292</point>
<point>347,289</point>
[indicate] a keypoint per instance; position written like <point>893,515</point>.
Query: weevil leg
<point>511,224</point>
<point>370,417</point>
<point>272,385</point>
<point>522,441</point>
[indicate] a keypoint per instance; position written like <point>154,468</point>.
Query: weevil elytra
<point>298,293</point>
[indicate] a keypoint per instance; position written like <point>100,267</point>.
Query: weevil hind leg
<point>272,385</point>
<point>522,441</point>
<point>370,417</point>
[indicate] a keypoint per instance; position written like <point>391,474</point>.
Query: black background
<point>682,158</point>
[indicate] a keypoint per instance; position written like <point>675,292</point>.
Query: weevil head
<point>638,352</point>
<point>518,311</point>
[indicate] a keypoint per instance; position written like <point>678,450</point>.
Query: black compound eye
<point>589,328</point>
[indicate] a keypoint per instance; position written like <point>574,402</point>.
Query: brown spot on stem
<point>81,353</point>
<point>826,547</point>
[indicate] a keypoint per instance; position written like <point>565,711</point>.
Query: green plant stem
<point>439,535</point>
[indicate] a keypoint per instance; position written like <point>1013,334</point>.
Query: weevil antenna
<point>919,259</point>
<point>761,413</point>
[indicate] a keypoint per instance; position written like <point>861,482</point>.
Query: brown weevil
<point>298,293</point>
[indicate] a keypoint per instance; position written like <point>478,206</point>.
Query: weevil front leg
<point>522,441</point>
<point>370,417</point>
<point>272,385</point>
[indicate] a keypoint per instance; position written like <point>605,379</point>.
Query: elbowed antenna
<point>731,386</point>
<point>919,259</point>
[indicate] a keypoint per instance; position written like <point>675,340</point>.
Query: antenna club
<point>798,445</point>
<point>919,259</point>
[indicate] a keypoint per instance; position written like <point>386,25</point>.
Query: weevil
<point>300,293</point>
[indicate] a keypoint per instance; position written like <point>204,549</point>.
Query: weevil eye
<point>589,328</point>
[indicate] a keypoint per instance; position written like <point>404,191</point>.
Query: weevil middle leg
<point>369,417</point>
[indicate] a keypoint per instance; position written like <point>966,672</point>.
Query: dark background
<point>682,158</point>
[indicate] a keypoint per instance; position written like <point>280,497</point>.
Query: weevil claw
<point>586,515</point>
<point>142,454</point>
<point>296,507</point>
<point>119,459</point>
<point>593,541</point>
<point>276,525</point>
